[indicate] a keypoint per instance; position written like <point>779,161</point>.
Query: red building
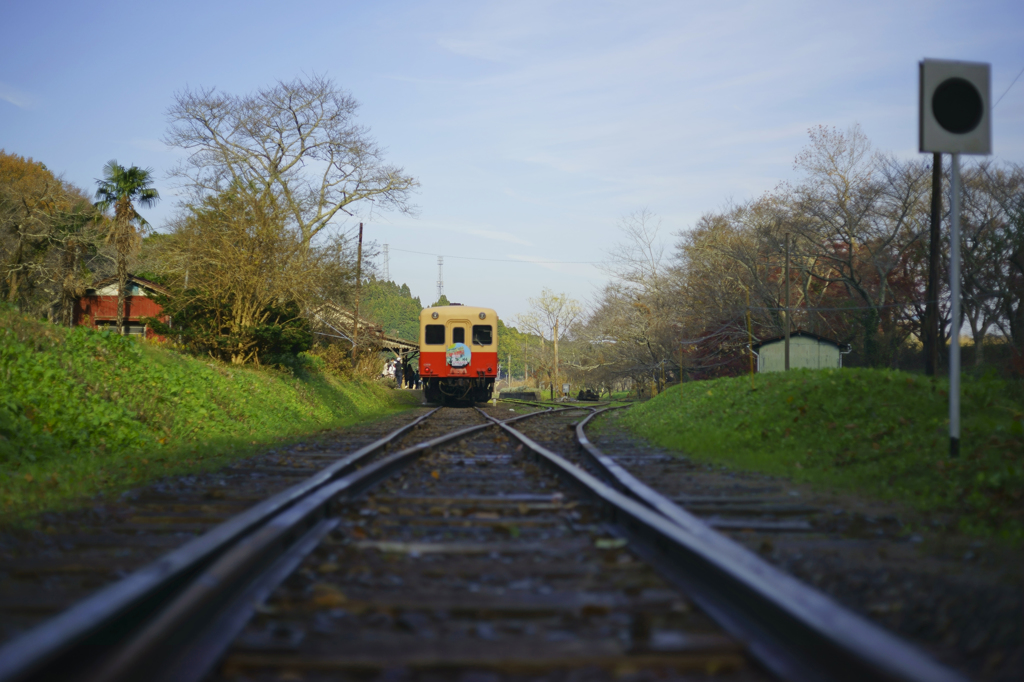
<point>98,308</point>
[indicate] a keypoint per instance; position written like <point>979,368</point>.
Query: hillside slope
<point>881,433</point>
<point>83,412</point>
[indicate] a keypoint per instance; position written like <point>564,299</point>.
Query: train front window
<point>458,335</point>
<point>434,334</point>
<point>482,335</point>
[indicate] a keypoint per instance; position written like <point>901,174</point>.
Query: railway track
<point>470,548</point>
<point>957,597</point>
<point>72,555</point>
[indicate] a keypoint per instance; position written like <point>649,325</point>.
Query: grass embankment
<point>882,433</point>
<point>82,412</point>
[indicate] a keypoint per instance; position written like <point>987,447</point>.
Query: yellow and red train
<point>458,353</point>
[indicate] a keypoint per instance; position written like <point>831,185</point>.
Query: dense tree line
<point>858,230</point>
<point>857,224</point>
<point>51,239</point>
<point>258,239</point>
<point>256,244</point>
<point>392,307</point>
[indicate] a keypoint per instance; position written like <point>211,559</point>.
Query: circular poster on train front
<point>458,355</point>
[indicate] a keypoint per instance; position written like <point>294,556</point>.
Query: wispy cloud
<point>478,49</point>
<point>13,95</point>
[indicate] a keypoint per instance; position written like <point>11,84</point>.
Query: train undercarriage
<point>458,392</point>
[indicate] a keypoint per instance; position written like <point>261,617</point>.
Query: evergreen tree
<point>393,307</point>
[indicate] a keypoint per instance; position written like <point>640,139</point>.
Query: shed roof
<point>799,332</point>
<point>334,316</point>
<point>132,279</point>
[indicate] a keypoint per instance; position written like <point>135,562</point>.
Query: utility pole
<point>359,279</point>
<point>556,360</point>
<point>931,310</point>
<point>526,365</point>
<point>682,344</point>
<point>543,352</point>
<point>750,342</point>
<point>387,264</point>
<point>955,321</point>
<point>682,376</point>
<point>787,301</point>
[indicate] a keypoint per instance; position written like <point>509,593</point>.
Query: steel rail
<point>550,410</point>
<point>114,632</point>
<point>538,403</point>
<point>191,634</point>
<point>793,630</point>
<point>172,644</point>
<point>516,401</point>
<point>85,632</point>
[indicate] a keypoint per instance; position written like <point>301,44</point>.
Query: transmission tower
<point>440,277</point>
<point>387,272</point>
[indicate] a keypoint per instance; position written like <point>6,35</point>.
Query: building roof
<point>132,279</point>
<point>799,332</point>
<point>340,321</point>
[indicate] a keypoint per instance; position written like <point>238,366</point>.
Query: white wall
<point>804,352</point>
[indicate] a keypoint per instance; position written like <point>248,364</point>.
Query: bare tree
<point>860,214</point>
<point>638,258</point>
<point>858,268</point>
<point>551,316</point>
<point>984,259</point>
<point>1005,186</point>
<point>297,141</point>
<point>640,306</point>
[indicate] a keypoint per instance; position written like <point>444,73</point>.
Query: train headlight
<point>433,315</point>
<point>483,315</point>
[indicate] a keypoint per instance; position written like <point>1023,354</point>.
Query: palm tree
<point>120,187</point>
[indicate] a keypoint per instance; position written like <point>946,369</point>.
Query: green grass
<point>881,433</point>
<point>83,412</point>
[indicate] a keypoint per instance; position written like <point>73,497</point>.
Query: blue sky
<point>533,127</point>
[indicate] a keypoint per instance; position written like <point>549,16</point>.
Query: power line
<point>1007,89</point>
<point>851,308</point>
<point>506,260</point>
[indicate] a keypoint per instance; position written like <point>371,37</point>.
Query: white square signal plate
<point>955,107</point>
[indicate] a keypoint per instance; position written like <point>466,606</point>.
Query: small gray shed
<point>806,350</point>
